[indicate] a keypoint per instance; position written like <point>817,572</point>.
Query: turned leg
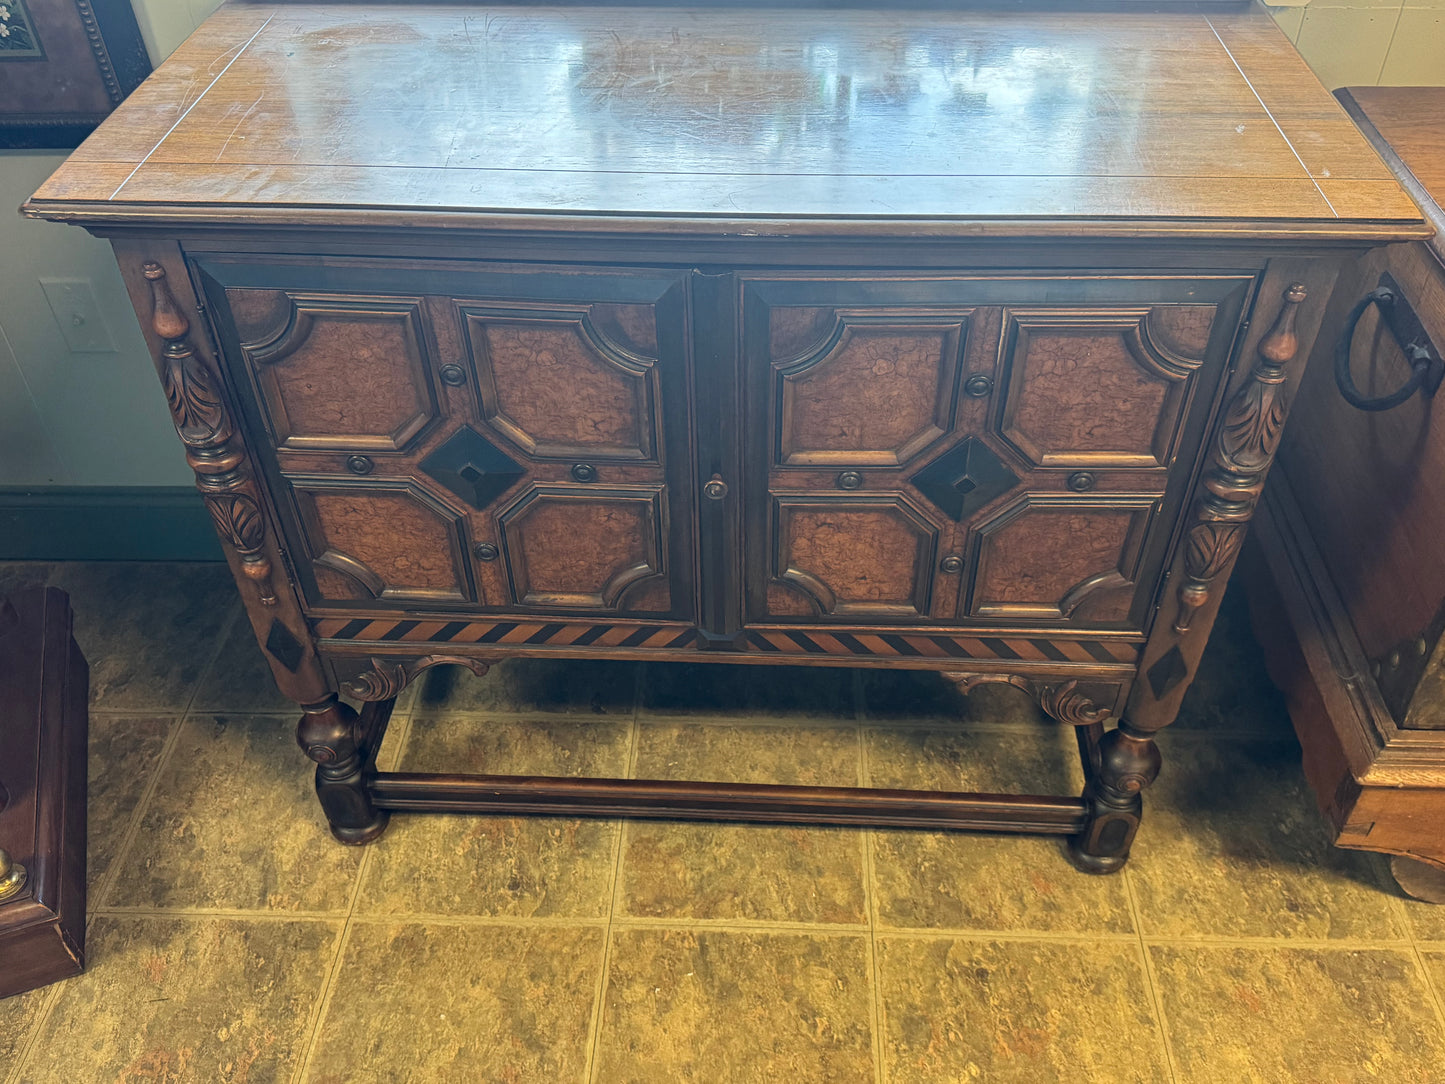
<point>1128,761</point>
<point>330,734</point>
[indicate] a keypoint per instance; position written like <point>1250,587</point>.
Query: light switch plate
<point>73,303</point>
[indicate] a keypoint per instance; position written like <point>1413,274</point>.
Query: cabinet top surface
<point>802,121</point>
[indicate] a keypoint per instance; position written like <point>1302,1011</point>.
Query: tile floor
<point>231,941</point>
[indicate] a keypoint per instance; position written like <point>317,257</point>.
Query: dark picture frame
<point>64,65</point>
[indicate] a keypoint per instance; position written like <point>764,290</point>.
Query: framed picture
<point>64,65</point>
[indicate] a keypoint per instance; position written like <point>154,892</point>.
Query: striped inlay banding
<point>815,641</point>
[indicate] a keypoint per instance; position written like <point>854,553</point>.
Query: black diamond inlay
<point>283,646</point>
<point>1167,673</point>
<point>965,478</point>
<point>471,468</point>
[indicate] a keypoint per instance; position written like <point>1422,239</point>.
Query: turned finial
<point>1281,344</point>
<point>167,320</point>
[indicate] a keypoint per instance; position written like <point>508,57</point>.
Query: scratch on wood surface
<point>238,124</point>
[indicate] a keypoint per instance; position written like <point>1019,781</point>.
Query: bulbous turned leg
<point>329,734</point>
<point>1128,762</point>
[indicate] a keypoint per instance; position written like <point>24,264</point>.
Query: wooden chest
<point>1352,532</point>
<point>955,340</point>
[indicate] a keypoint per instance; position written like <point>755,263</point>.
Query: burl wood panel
<point>1060,561</point>
<point>853,557</point>
<point>593,549</point>
<point>556,387</point>
<point>392,540</point>
<point>882,392</point>
<point>338,372</point>
<point>1098,389</point>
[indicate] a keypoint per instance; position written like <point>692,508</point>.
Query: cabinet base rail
<point>1037,814</point>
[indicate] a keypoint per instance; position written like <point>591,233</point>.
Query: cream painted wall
<point>67,418</point>
<point>99,419</point>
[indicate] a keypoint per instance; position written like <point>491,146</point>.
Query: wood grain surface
<point>310,111</point>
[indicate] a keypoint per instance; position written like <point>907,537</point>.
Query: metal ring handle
<point>1418,357</point>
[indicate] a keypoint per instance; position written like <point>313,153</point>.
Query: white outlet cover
<point>76,313</point>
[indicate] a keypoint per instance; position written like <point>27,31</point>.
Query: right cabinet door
<point>973,451</point>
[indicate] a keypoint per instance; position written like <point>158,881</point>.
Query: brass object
<point>453,375</point>
<point>850,479</point>
<point>485,551</point>
<point>584,472</point>
<point>977,386</point>
<point>716,489</point>
<point>1081,481</point>
<point>360,464</point>
<point>12,876</point>
<point>951,564</point>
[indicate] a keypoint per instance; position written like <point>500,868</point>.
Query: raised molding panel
<point>337,372</point>
<point>383,539</point>
<point>563,382</point>
<point>877,390</point>
<point>1100,388</point>
<point>592,548</point>
<point>1056,558</point>
<point>866,557</point>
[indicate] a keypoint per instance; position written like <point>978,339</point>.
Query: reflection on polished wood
<point>294,111</point>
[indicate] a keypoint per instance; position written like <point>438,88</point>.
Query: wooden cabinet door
<point>972,451</point>
<point>467,435</point>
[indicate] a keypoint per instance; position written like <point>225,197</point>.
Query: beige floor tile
<point>223,1001</point>
<point>240,680</point>
<point>1017,1012</point>
<point>18,1016</point>
<point>1232,845</point>
<point>147,629</point>
<point>582,686</point>
<point>460,1004</point>
<point>783,873</point>
<point>718,690</point>
<point>234,823</point>
<point>1427,920</point>
<point>513,866</point>
<point>124,755</point>
<point>740,1007</point>
<point>1434,958</point>
<point>1266,1015</point>
<point>958,880</point>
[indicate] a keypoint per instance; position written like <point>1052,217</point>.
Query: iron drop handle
<point>1428,368</point>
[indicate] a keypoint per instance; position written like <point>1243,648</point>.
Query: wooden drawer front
<point>486,439</point>
<point>972,450</point>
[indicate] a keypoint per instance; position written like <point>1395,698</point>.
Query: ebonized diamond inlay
<point>283,646</point>
<point>1166,674</point>
<point>965,478</point>
<point>472,468</point>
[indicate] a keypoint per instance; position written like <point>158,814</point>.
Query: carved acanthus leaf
<point>386,678</point>
<point>1060,700</point>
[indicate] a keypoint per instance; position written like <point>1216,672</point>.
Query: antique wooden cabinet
<point>911,338</point>
<point>1351,533</point>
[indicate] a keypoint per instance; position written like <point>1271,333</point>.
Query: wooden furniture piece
<point>933,339</point>
<point>44,712</point>
<point>1352,533</point>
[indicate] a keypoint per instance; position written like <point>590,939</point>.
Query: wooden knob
<point>12,876</point>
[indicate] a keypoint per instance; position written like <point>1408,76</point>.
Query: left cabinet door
<point>461,436</point>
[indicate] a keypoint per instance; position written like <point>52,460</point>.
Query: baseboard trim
<point>105,523</point>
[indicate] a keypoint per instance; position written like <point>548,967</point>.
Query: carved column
<point>199,411</point>
<point>1244,448</point>
<point>329,735</point>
